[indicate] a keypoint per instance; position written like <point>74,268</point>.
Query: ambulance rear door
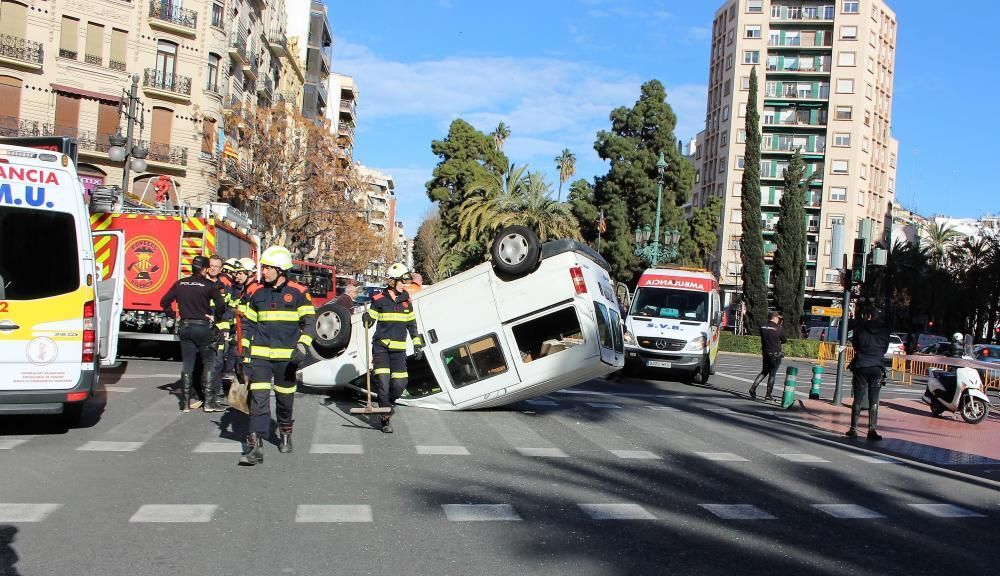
<point>110,292</point>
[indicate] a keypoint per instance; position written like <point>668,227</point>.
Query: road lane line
<point>131,434</point>
<point>336,432</point>
<point>10,442</point>
<point>616,512</point>
<point>738,512</point>
<point>947,511</point>
<point>170,513</point>
<point>431,450</point>
<point>10,512</point>
<point>848,511</point>
<point>333,513</point>
<point>721,457</point>
<point>480,513</point>
<point>521,437</point>
<point>797,457</point>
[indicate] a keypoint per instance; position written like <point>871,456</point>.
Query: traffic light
<point>859,261</point>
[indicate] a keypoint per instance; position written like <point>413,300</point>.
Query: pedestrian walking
<point>350,293</point>
<point>772,336</point>
<point>870,342</point>
<point>414,284</point>
<point>199,305</point>
<point>392,313</point>
<point>279,322</point>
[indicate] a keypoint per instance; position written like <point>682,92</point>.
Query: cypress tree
<point>752,243</point>
<point>790,255</point>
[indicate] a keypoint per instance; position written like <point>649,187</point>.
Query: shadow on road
<point>8,556</point>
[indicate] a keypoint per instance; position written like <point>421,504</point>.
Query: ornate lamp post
<point>653,251</point>
<point>122,149</point>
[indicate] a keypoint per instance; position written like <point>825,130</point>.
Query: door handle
<point>8,326</point>
<point>433,336</point>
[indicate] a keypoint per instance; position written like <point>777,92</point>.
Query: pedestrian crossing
<point>29,513</point>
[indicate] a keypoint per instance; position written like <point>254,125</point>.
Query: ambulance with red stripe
<point>673,322</point>
<point>58,307</point>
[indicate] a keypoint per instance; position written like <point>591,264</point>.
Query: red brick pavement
<point>907,425</point>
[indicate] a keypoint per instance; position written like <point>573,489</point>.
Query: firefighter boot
<point>186,382</point>
<point>254,452</point>
<point>386,426</point>
<point>285,436</point>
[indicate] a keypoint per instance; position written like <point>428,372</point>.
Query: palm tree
<point>488,197</point>
<point>938,241</point>
<point>549,218</point>
<point>500,135</point>
<point>566,164</point>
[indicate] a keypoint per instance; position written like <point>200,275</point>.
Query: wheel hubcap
<point>513,249</point>
<point>328,326</point>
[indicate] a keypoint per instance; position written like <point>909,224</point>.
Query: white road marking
<point>947,511</point>
<point>635,455</point>
<point>480,512</point>
<point>336,449</point>
<point>616,512</point>
<point>219,448</point>
<point>797,457</point>
<point>174,513</point>
<point>848,511</point>
<point>118,389</point>
<point>542,452</point>
<point>721,457</point>
<point>333,513</point>
<point>663,408</point>
<point>26,512</point>
<point>110,446</point>
<point>13,441</point>
<point>875,459</point>
<point>443,450</point>
<point>737,511</point>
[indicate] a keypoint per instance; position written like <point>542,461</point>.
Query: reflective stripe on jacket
<point>395,319</point>
<point>276,319</point>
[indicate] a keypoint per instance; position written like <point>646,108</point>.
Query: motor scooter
<point>959,391</point>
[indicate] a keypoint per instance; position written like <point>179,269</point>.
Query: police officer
<point>393,312</point>
<point>772,336</point>
<point>279,320</point>
<point>199,304</point>
<point>870,341</point>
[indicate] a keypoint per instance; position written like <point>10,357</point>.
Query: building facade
<point>825,78</point>
<point>309,28</point>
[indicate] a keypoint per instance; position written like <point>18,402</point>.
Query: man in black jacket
<point>870,342</point>
<point>772,336</point>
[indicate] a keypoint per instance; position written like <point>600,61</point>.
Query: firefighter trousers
<point>263,372</point>
<point>390,374</point>
<point>225,358</point>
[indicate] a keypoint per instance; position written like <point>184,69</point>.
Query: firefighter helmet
<point>248,265</point>
<point>278,257</point>
<point>232,265</point>
<point>397,271</point>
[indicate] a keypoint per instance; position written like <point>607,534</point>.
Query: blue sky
<point>553,70</point>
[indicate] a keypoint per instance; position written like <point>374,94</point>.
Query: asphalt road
<point>609,478</point>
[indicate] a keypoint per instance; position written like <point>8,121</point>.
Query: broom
<point>368,407</point>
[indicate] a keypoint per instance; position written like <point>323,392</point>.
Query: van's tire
<point>333,328</point>
<point>704,372</point>
<point>515,250</point>
<point>72,414</point>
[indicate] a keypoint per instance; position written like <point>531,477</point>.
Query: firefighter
<point>279,320</point>
<point>224,359</point>
<point>199,304</point>
<point>393,312</point>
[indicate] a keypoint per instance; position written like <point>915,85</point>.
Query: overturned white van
<point>536,319</point>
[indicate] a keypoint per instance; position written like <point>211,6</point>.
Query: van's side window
<point>604,329</point>
<point>549,334</point>
<point>615,332</point>
<point>474,361</point>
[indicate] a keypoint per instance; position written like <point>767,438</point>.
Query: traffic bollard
<point>814,392</point>
<point>788,397</point>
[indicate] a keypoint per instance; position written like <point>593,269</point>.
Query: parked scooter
<point>959,391</point>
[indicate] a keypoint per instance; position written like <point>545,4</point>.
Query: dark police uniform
<point>198,304</point>
<point>772,336</point>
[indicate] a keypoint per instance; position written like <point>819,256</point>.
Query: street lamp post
<point>122,149</point>
<point>653,251</point>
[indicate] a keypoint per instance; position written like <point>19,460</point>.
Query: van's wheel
<point>515,250</point>
<point>704,371</point>
<point>333,328</point>
<point>72,414</point>
<point>974,410</point>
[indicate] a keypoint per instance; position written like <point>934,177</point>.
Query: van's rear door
<point>110,291</point>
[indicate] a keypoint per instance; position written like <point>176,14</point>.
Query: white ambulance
<point>58,318</point>
<point>538,318</point>
<point>673,322</point>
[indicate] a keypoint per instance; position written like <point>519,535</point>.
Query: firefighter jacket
<point>276,318</point>
<point>395,318</point>
<point>231,296</point>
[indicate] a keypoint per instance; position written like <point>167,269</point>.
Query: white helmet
<point>957,337</point>
<point>397,271</point>
<point>248,265</point>
<point>278,257</point>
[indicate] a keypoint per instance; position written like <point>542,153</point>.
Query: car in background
<point>895,346</point>
<point>988,353</point>
<point>936,349</point>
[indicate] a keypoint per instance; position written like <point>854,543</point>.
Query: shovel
<point>368,407</point>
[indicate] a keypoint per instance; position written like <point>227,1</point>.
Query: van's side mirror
<point>621,291</point>
<point>717,318</point>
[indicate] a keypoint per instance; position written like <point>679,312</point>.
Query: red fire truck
<point>159,245</point>
<point>320,278</point>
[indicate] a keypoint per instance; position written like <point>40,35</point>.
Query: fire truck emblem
<point>146,262</point>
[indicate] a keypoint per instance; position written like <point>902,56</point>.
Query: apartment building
<point>343,117</point>
<point>309,27</point>
<point>66,67</point>
<point>825,77</point>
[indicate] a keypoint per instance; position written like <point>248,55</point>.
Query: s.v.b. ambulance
<point>673,323</point>
<point>58,319</point>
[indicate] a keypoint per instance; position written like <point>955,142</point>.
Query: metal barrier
<point>828,353</point>
<point>905,367</point>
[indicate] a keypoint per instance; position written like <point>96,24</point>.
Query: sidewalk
<point>909,429</point>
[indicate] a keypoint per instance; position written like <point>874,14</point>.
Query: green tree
<point>789,272</point>
<point>939,239</point>
<point>427,247</point>
<point>581,202</point>
<point>752,242</point>
<point>705,230</point>
<point>566,165</point>
<point>500,135</point>
<point>627,193</point>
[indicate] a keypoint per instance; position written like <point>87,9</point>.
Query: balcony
<point>164,15</point>
<point>165,155</point>
<point>93,144</point>
<point>806,39</point>
<point>21,52</point>
<point>277,42</point>
<point>797,118</point>
<point>13,126</point>
<point>116,65</point>
<point>781,14</point>
<point>321,90</point>
<point>789,147</point>
<point>168,86</point>
<point>348,108</point>
<point>251,69</point>
<point>230,171</point>
<point>797,69</point>
<point>95,59</point>
<point>238,48</point>
<point>822,93</point>
<point>70,54</point>
<point>290,98</point>
<point>265,88</point>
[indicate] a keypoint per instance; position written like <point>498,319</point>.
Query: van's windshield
<point>49,270</point>
<point>670,303</point>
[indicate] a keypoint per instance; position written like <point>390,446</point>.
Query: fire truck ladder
<point>193,232</point>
